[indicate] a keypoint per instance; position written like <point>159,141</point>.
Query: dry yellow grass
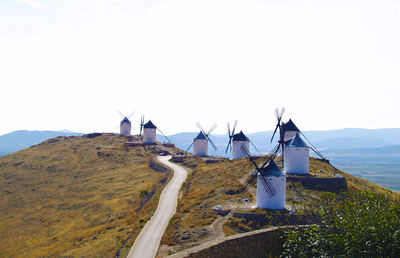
<point>74,196</point>
<point>78,196</point>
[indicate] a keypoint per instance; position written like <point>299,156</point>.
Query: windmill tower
<point>200,142</point>
<point>239,140</point>
<point>271,183</point>
<point>150,133</point>
<point>236,141</point>
<point>297,154</point>
<point>125,125</point>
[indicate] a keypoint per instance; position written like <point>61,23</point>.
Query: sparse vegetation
<point>75,196</point>
<point>363,224</point>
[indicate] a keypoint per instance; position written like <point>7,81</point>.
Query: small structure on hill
<point>150,132</point>
<point>200,145</point>
<point>239,140</point>
<point>236,141</point>
<point>297,156</point>
<point>274,195</point>
<point>125,125</point>
<point>200,142</point>
<point>271,183</point>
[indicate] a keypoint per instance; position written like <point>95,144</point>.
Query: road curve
<point>148,241</point>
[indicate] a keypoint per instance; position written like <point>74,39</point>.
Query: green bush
<point>363,224</point>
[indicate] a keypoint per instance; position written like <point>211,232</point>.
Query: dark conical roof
<point>149,125</point>
<point>272,170</point>
<point>290,126</point>
<point>240,137</point>
<point>297,142</point>
<point>201,136</point>
<point>125,120</point>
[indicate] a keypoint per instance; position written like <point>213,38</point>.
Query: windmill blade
<point>253,176</point>
<point>211,129</point>
<point>201,128</point>
<point>164,135</point>
<point>119,112</point>
<point>234,127</point>
<point>313,147</point>
<point>131,114</point>
<point>273,135</point>
<point>249,157</point>
<point>229,144</point>
<point>255,147</point>
<point>227,147</point>
<point>141,124</point>
<point>269,188</point>
<point>271,155</point>
<point>212,143</point>
<point>189,148</point>
<point>230,139</point>
<point>282,111</point>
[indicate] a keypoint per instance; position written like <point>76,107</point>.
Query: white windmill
<point>295,152</point>
<point>271,183</point>
<point>236,141</point>
<point>125,125</point>
<point>150,132</point>
<point>200,142</point>
<point>297,155</point>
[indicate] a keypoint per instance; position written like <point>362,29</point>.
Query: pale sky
<point>69,64</point>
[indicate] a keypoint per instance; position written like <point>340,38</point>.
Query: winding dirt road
<point>148,241</point>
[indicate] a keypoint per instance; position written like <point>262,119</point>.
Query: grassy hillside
<point>218,184</point>
<point>75,196</point>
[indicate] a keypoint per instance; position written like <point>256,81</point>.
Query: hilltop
<point>368,153</point>
<point>76,196</point>
<point>90,195</point>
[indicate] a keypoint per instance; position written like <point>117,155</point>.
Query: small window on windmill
<point>245,200</point>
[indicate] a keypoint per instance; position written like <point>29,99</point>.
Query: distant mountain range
<point>331,141</point>
<point>343,139</point>
<point>19,140</point>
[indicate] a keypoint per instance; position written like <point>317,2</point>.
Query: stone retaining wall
<point>330,184</point>
<point>278,219</point>
<point>158,167</point>
<point>260,243</point>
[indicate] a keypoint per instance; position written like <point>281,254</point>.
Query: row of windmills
<point>149,129</point>
<point>271,180</point>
